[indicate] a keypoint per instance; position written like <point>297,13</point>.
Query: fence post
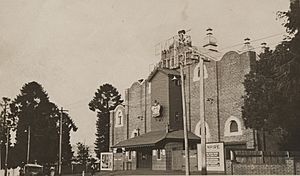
<point>262,156</point>
<point>288,154</point>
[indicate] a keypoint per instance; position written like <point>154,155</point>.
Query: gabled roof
<point>163,70</point>
<point>150,139</point>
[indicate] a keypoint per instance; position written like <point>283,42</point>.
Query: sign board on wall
<point>106,161</point>
<point>215,159</point>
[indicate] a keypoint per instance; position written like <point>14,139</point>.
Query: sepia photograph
<point>149,87</point>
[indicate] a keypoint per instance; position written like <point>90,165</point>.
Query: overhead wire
<point>77,103</point>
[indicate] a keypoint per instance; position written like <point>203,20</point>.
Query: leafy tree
<point>106,98</point>
<point>83,153</point>
<point>36,113</point>
<point>273,89</point>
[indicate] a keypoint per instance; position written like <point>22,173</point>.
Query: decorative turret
<point>263,47</point>
<point>247,46</point>
<point>210,42</point>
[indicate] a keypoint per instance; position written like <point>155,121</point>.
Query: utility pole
<point>60,140</point>
<point>6,100</point>
<point>202,118</point>
<point>185,131</point>
<point>0,154</point>
<point>28,144</point>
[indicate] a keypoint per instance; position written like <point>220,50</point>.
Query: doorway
<point>144,158</point>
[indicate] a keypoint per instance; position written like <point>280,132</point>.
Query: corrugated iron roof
<point>150,139</point>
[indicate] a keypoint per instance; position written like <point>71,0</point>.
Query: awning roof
<point>150,139</point>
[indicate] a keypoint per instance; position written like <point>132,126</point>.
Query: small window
<point>158,154</point>
<point>129,155</point>
<point>198,71</point>
<point>168,63</point>
<point>119,118</point>
<point>200,131</point>
<point>233,126</point>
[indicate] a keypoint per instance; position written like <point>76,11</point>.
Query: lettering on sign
<point>215,159</point>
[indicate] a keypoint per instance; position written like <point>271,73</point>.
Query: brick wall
<point>130,164</point>
<point>297,165</point>
<point>170,148</point>
<point>288,168</point>
<point>160,93</point>
<point>159,164</point>
<point>135,106</point>
<point>231,70</point>
<point>118,161</point>
<point>117,133</point>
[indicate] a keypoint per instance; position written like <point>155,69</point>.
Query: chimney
<point>210,42</point>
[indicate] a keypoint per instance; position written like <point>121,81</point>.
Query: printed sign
<point>106,161</point>
<point>215,160</point>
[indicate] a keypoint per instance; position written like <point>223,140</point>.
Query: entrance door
<point>144,159</point>
<point>177,160</point>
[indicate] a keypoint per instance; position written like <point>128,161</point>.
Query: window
<point>233,126</point>
<point>119,118</point>
<point>119,150</point>
<point>198,130</point>
<point>196,72</point>
<point>129,155</point>
<point>158,154</point>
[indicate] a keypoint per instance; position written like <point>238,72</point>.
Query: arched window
<point>198,130</point>
<point>233,126</point>
<point>119,118</point>
<point>196,73</point>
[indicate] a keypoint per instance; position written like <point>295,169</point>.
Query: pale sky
<point>72,47</point>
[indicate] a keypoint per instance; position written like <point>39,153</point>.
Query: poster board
<point>215,158</point>
<point>106,161</point>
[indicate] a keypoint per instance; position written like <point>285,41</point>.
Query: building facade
<point>147,130</point>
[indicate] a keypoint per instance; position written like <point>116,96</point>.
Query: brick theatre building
<point>147,130</point>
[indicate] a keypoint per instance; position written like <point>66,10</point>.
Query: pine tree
<point>34,111</point>
<point>106,98</point>
<point>83,153</point>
